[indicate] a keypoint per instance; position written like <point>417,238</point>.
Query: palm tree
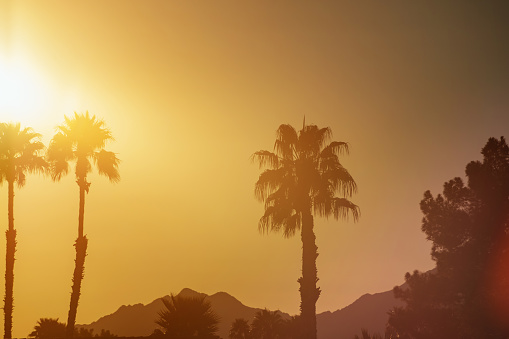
<point>302,178</point>
<point>48,328</point>
<point>81,139</point>
<point>185,317</point>
<point>267,325</point>
<point>240,329</point>
<point>20,153</point>
<point>292,328</point>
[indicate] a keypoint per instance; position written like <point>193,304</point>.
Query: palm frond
<point>107,165</point>
<point>323,135</point>
<point>269,181</point>
<point>340,180</point>
<point>286,141</point>
<point>20,153</point>
<point>58,154</point>
<point>266,159</point>
<point>335,148</point>
<point>280,214</point>
<point>338,207</point>
<point>312,139</point>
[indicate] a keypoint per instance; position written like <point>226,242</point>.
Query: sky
<point>191,89</point>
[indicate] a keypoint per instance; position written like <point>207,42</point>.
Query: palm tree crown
<point>82,139</point>
<point>267,325</point>
<point>20,153</point>
<point>240,329</point>
<point>304,174</point>
<point>48,328</point>
<point>186,317</point>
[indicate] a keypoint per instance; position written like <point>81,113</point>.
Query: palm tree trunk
<point>309,293</point>
<point>81,252</point>
<point>9,264</point>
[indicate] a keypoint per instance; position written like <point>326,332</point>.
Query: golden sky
<point>190,89</point>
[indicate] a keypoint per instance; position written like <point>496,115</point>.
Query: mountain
<point>139,320</point>
<point>369,312</point>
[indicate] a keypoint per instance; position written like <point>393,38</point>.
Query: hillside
<point>369,311</point>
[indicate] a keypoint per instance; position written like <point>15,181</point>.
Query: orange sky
<point>190,90</point>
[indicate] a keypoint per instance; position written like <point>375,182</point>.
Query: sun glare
<point>23,92</point>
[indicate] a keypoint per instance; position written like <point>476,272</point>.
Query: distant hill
<point>369,311</point>
<point>139,320</point>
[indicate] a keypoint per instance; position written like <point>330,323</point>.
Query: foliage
<point>20,153</point>
<point>267,325</point>
<point>82,139</point>
<point>240,329</point>
<point>303,176</point>
<point>185,317</point>
<point>303,172</point>
<point>467,296</point>
<point>48,328</point>
<point>51,328</point>
<point>293,328</point>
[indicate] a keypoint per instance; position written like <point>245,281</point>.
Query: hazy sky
<point>190,89</point>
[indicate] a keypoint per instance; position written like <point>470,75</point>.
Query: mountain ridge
<point>369,311</point>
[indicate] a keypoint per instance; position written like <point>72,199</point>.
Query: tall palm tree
<point>187,317</point>
<point>240,329</point>
<point>267,325</point>
<point>20,153</point>
<point>302,179</point>
<point>82,139</point>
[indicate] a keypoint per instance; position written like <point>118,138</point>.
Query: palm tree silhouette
<point>48,328</point>
<point>303,177</point>
<point>20,153</point>
<point>267,325</point>
<point>240,329</point>
<point>81,139</point>
<point>185,318</point>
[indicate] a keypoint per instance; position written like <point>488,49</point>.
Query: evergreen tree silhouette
<point>467,295</point>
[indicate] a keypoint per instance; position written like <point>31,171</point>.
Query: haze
<point>191,89</point>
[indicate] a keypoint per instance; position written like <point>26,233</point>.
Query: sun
<point>23,92</point>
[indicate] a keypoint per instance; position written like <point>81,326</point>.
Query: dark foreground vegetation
<point>467,295</point>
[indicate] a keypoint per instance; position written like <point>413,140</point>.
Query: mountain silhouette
<point>369,312</point>
<point>139,320</point>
